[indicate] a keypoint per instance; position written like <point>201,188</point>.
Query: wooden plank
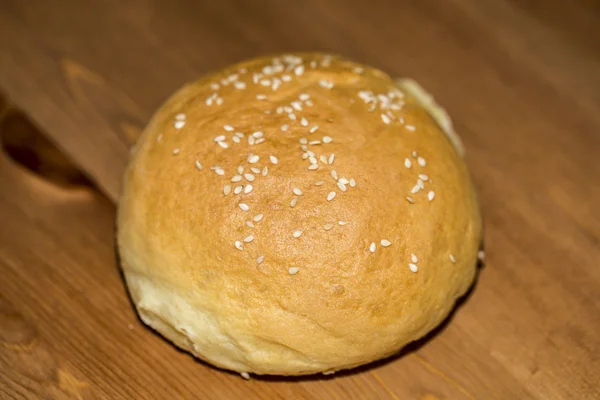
<point>520,80</point>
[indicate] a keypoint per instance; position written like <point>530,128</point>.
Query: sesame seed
<point>297,192</point>
<point>255,170</point>
<point>293,202</point>
<point>331,158</point>
<point>223,144</point>
<point>265,171</point>
<point>297,233</point>
<point>304,122</point>
<point>226,190</point>
<point>344,181</point>
<point>261,97</point>
<point>385,243</point>
<point>323,158</point>
<point>265,82</point>
<point>238,245</point>
<point>313,129</point>
<point>249,177</point>
<point>220,171</point>
<point>239,134</point>
<point>304,147</point>
<point>414,258</point>
<point>414,153</point>
<point>214,86</point>
<point>452,258</point>
<point>258,217</point>
<point>430,195</point>
<point>253,158</point>
<point>328,227</point>
<point>331,196</point>
<point>175,151</point>
<point>342,223</point>
<point>341,186</point>
<point>238,189</point>
<point>319,183</point>
<point>284,128</point>
<point>286,78</point>
<point>372,247</point>
<point>313,160</point>
<point>296,105</point>
<point>314,142</point>
<point>248,189</point>
<point>293,270</point>
<point>410,128</point>
<point>245,375</point>
<point>309,103</point>
<point>198,165</point>
<point>334,174</point>
<point>260,140</point>
<point>410,200</point>
<point>326,84</point>
<point>288,109</point>
<point>407,163</point>
<point>240,169</point>
<point>422,161</point>
<point>421,184</point>
<point>303,141</point>
<point>251,140</point>
<point>273,159</point>
<point>250,224</point>
<point>258,134</point>
<point>413,267</point>
<point>236,178</point>
<point>313,167</point>
<point>352,182</point>
<point>292,116</point>
<point>179,124</point>
<point>304,156</point>
<point>304,96</point>
<point>235,139</point>
<point>244,206</point>
<point>481,255</point>
<point>260,259</point>
<point>327,139</point>
<point>415,189</point>
<point>180,117</point>
<point>386,120</point>
<point>423,177</point>
<point>248,239</point>
<point>299,70</point>
<point>228,128</point>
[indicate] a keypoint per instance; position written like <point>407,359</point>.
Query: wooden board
<point>520,78</point>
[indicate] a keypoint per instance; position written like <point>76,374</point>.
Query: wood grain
<point>521,80</point>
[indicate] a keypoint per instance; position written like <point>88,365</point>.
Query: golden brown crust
<point>346,305</point>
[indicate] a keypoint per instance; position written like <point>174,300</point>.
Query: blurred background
<point>520,78</point>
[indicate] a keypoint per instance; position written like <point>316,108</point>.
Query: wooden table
<point>520,77</point>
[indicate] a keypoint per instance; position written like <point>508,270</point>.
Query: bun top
<point>296,214</point>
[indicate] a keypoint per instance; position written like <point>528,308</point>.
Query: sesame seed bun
<point>297,214</point>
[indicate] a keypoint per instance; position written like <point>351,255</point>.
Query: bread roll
<point>297,214</point>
